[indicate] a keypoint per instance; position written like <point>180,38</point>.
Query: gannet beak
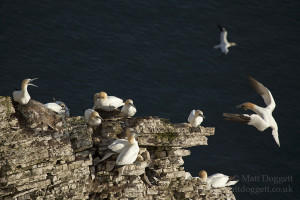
<point>241,106</point>
<point>132,105</point>
<point>203,116</point>
<point>32,84</point>
<point>33,79</point>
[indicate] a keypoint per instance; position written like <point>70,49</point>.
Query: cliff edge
<point>45,156</point>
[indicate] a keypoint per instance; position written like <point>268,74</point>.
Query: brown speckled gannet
<point>218,180</point>
<point>263,118</point>
<point>224,44</point>
<point>22,96</point>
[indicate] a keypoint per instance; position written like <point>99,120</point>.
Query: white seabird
<point>117,146</point>
<point>224,44</point>
<point>263,118</point>
<point>196,118</point>
<point>92,117</point>
<point>128,109</point>
<point>106,103</point>
<point>130,153</point>
<point>58,107</point>
<point>217,180</point>
<point>22,96</point>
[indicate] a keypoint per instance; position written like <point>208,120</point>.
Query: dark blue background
<point>160,55</point>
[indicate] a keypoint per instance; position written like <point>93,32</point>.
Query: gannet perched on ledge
<point>224,44</point>
<point>263,118</point>
<point>92,117</point>
<point>128,109</point>
<point>217,180</point>
<point>106,103</point>
<point>117,146</point>
<point>22,96</point>
<point>196,118</point>
<point>58,107</point>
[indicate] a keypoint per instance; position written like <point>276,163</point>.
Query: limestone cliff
<point>44,156</point>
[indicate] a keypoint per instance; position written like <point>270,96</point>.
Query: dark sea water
<point>159,53</point>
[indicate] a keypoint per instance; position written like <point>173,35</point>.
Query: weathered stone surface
<point>58,158</point>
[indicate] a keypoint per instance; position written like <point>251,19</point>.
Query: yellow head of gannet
<point>131,135</point>
<point>199,113</point>
<point>203,175</point>
<point>246,106</point>
<point>129,102</point>
<point>102,95</point>
<point>27,82</point>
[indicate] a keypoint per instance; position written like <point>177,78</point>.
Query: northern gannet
<point>195,118</point>
<point>128,109</point>
<point>92,117</point>
<point>106,103</point>
<point>117,146</point>
<point>130,153</point>
<point>22,96</point>
<point>58,107</point>
<point>263,118</point>
<point>217,180</point>
<point>224,44</point>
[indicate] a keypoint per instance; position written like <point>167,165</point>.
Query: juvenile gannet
<point>58,107</point>
<point>92,117</point>
<point>224,44</point>
<point>217,180</point>
<point>130,152</point>
<point>263,118</point>
<point>107,103</point>
<point>117,146</point>
<point>22,96</point>
<point>128,109</point>
<point>195,118</point>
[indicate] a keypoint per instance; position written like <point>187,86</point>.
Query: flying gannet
<point>224,44</point>
<point>217,180</point>
<point>106,103</point>
<point>128,109</point>
<point>22,96</point>
<point>263,118</point>
<point>195,118</point>
<point>92,117</point>
<point>117,146</point>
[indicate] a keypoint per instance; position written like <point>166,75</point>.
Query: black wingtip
<point>221,27</point>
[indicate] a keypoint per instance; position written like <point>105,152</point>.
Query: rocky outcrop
<point>57,158</point>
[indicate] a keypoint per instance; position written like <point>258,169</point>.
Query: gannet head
<point>102,95</point>
<point>27,81</point>
<point>129,102</point>
<point>199,113</point>
<point>95,116</point>
<point>131,134</point>
<point>203,175</point>
<point>233,44</point>
<point>246,106</point>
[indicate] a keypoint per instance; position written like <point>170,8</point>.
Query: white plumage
<point>107,103</point>
<point>263,118</point>
<point>224,44</point>
<point>217,180</point>
<point>58,107</point>
<point>22,96</point>
<point>92,117</point>
<point>128,109</point>
<point>196,118</point>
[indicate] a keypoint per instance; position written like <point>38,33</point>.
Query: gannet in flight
<point>22,96</point>
<point>92,117</point>
<point>58,107</point>
<point>195,118</point>
<point>117,146</point>
<point>224,44</point>
<point>130,152</point>
<point>217,180</point>
<point>106,103</point>
<point>263,118</point>
<point>128,109</point>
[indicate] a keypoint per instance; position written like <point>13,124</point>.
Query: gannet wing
<point>252,119</point>
<point>275,136</point>
<point>223,37</point>
<point>115,101</point>
<point>221,28</point>
<point>191,116</point>
<point>264,92</point>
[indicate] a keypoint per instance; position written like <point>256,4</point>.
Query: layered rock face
<point>44,156</point>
